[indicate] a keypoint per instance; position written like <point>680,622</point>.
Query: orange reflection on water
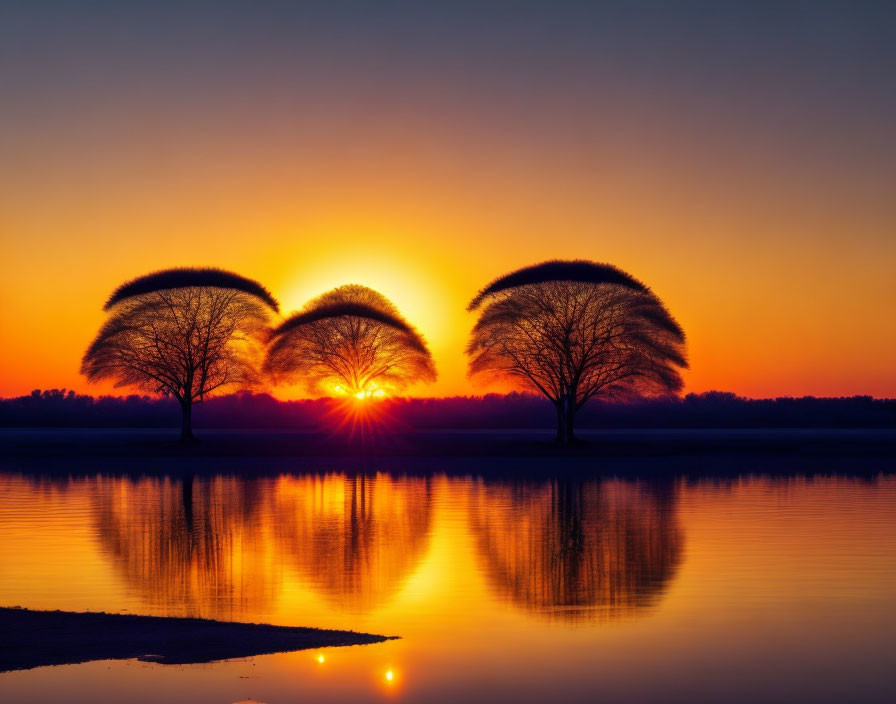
<point>572,550</point>
<point>504,587</point>
<point>193,547</point>
<point>217,548</point>
<point>232,547</point>
<point>355,539</point>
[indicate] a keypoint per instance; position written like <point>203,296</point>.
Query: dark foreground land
<point>525,453</point>
<point>38,638</point>
<point>32,443</point>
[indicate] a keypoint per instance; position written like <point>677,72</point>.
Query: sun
<point>365,394</point>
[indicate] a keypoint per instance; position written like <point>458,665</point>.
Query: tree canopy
<point>351,340</point>
<point>573,331</point>
<point>185,333</point>
<point>557,270</point>
<point>186,277</point>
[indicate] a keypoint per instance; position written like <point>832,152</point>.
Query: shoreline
<point>526,454</point>
<point>45,638</point>
<point>163,442</point>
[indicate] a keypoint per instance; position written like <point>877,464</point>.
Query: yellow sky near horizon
<point>752,192</point>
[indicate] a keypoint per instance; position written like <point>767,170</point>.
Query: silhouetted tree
<point>184,333</point>
<point>350,340</point>
<point>573,331</point>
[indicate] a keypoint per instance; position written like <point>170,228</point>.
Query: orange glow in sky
<point>761,313</point>
<point>763,217</point>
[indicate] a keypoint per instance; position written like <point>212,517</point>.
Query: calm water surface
<point>740,589</point>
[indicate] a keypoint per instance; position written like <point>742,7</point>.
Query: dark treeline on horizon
<point>61,408</point>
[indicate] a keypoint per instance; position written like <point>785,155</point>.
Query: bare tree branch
<point>353,340</point>
<point>186,342</point>
<point>573,331</point>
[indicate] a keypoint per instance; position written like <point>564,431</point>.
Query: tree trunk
<point>186,421</point>
<point>186,490</point>
<point>566,411</point>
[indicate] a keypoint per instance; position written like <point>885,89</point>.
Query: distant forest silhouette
<point>62,408</point>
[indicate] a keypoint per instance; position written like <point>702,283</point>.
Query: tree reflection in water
<point>355,539</point>
<point>575,550</point>
<point>217,547</point>
<point>191,547</point>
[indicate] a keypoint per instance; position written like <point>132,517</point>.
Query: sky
<point>740,159</point>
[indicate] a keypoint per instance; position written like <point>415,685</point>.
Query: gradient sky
<point>739,160</point>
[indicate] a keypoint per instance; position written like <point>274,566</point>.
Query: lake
<point>747,586</point>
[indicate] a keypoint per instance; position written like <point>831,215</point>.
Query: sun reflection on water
<point>491,578</point>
